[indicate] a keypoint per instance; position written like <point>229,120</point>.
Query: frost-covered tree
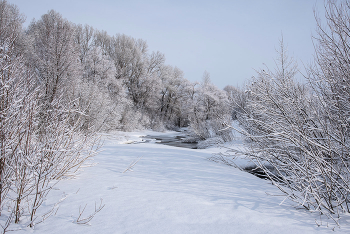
<point>237,99</point>
<point>54,55</point>
<point>54,58</point>
<point>100,88</point>
<point>84,39</point>
<point>138,72</point>
<point>210,110</point>
<point>173,97</point>
<point>137,69</point>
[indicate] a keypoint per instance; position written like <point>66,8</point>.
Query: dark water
<point>177,142</point>
<point>258,172</point>
<point>172,141</point>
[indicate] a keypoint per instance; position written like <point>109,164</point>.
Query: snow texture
<point>171,190</point>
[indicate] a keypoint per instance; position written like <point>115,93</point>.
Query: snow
<point>171,190</point>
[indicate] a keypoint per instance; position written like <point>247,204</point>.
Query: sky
<point>230,39</point>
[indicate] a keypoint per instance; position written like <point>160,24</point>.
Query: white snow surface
<point>171,190</point>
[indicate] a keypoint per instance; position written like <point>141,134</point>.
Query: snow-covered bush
<point>302,129</point>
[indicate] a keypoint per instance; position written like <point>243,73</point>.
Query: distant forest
<point>109,82</point>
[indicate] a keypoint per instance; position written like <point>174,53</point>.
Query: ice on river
<point>171,190</point>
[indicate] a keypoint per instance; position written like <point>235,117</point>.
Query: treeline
<point>115,81</point>
<point>299,132</point>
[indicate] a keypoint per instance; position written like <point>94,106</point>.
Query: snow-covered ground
<point>171,190</point>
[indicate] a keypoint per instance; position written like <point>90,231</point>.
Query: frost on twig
<point>52,211</point>
<point>131,166</point>
<point>85,220</point>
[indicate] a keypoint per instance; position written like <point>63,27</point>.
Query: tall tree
<point>54,58</point>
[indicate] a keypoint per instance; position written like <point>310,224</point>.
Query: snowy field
<point>171,190</point>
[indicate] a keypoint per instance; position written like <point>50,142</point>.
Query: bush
<point>302,132</point>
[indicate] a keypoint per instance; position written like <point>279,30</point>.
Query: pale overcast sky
<point>229,39</point>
